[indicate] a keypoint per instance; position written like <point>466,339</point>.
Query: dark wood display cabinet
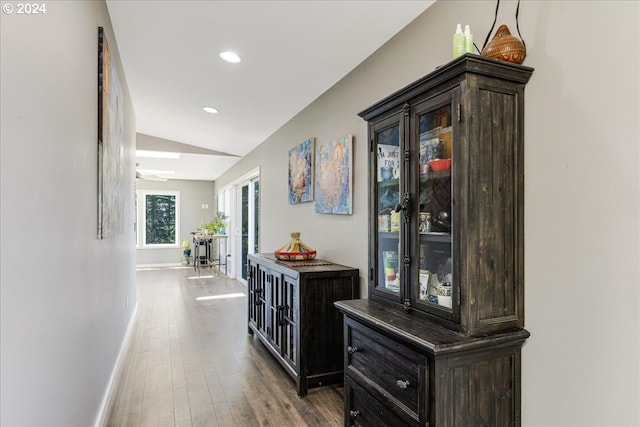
<point>438,341</point>
<point>291,311</point>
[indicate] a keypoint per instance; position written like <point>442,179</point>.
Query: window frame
<point>141,234</point>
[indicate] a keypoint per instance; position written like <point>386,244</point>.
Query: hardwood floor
<point>191,362</point>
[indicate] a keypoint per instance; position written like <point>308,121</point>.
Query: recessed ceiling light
<point>210,110</point>
<point>231,57</point>
<point>157,154</point>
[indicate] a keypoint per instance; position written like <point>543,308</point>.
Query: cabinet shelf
<point>424,177</point>
<point>388,183</point>
<point>436,237</point>
<point>389,235</point>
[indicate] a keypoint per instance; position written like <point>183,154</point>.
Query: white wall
<point>64,293</point>
<point>581,366</point>
<point>582,207</point>
<point>193,194</point>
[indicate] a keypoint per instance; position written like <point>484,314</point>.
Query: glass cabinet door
<point>387,172</point>
<point>434,217</point>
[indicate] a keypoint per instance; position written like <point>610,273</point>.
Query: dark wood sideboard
<point>290,309</point>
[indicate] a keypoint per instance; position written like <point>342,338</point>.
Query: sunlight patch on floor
<point>161,267</point>
<point>223,296</point>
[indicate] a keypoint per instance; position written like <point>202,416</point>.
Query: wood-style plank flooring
<point>191,362</point>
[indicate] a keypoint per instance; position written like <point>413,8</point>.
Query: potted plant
<point>186,248</point>
<point>217,224</point>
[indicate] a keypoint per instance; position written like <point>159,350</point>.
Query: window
<point>159,219</point>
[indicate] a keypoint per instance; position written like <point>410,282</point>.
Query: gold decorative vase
<point>505,47</point>
<point>295,250</point>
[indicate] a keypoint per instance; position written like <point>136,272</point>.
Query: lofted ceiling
<point>292,52</point>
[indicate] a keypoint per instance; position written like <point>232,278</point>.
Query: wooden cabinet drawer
<point>362,409</point>
<point>387,368</point>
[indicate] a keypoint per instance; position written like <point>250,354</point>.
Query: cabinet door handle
<point>258,296</point>
<point>352,350</point>
<point>404,204</point>
<point>354,414</point>
<point>402,384</point>
<point>280,314</point>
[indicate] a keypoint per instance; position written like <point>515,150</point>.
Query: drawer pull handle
<point>402,384</point>
<point>354,414</point>
<point>352,350</point>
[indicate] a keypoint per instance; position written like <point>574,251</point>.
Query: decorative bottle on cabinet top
<point>458,42</point>
<point>468,39</point>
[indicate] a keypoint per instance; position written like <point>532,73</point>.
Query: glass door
<point>387,249</point>
<point>244,229</point>
<point>249,222</point>
<point>433,124</point>
<point>288,320</point>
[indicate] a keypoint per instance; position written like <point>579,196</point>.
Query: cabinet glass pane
<point>434,208</point>
<point>388,197</point>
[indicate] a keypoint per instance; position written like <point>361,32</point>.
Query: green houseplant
<point>217,224</point>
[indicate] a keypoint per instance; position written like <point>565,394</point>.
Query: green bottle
<point>468,40</point>
<point>458,42</point>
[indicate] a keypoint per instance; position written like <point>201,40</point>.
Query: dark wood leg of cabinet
<point>302,388</point>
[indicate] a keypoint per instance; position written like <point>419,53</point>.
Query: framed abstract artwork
<point>334,176</point>
<point>110,144</point>
<point>301,172</point>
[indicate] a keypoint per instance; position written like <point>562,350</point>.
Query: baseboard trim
<point>103,412</point>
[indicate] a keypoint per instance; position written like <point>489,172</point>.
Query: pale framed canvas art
<point>334,176</point>
<point>301,172</point>
<point>110,144</point>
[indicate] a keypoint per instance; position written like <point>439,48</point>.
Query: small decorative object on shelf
<point>424,222</point>
<point>438,165</point>
<point>295,250</point>
<point>505,47</point>
<point>390,270</point>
